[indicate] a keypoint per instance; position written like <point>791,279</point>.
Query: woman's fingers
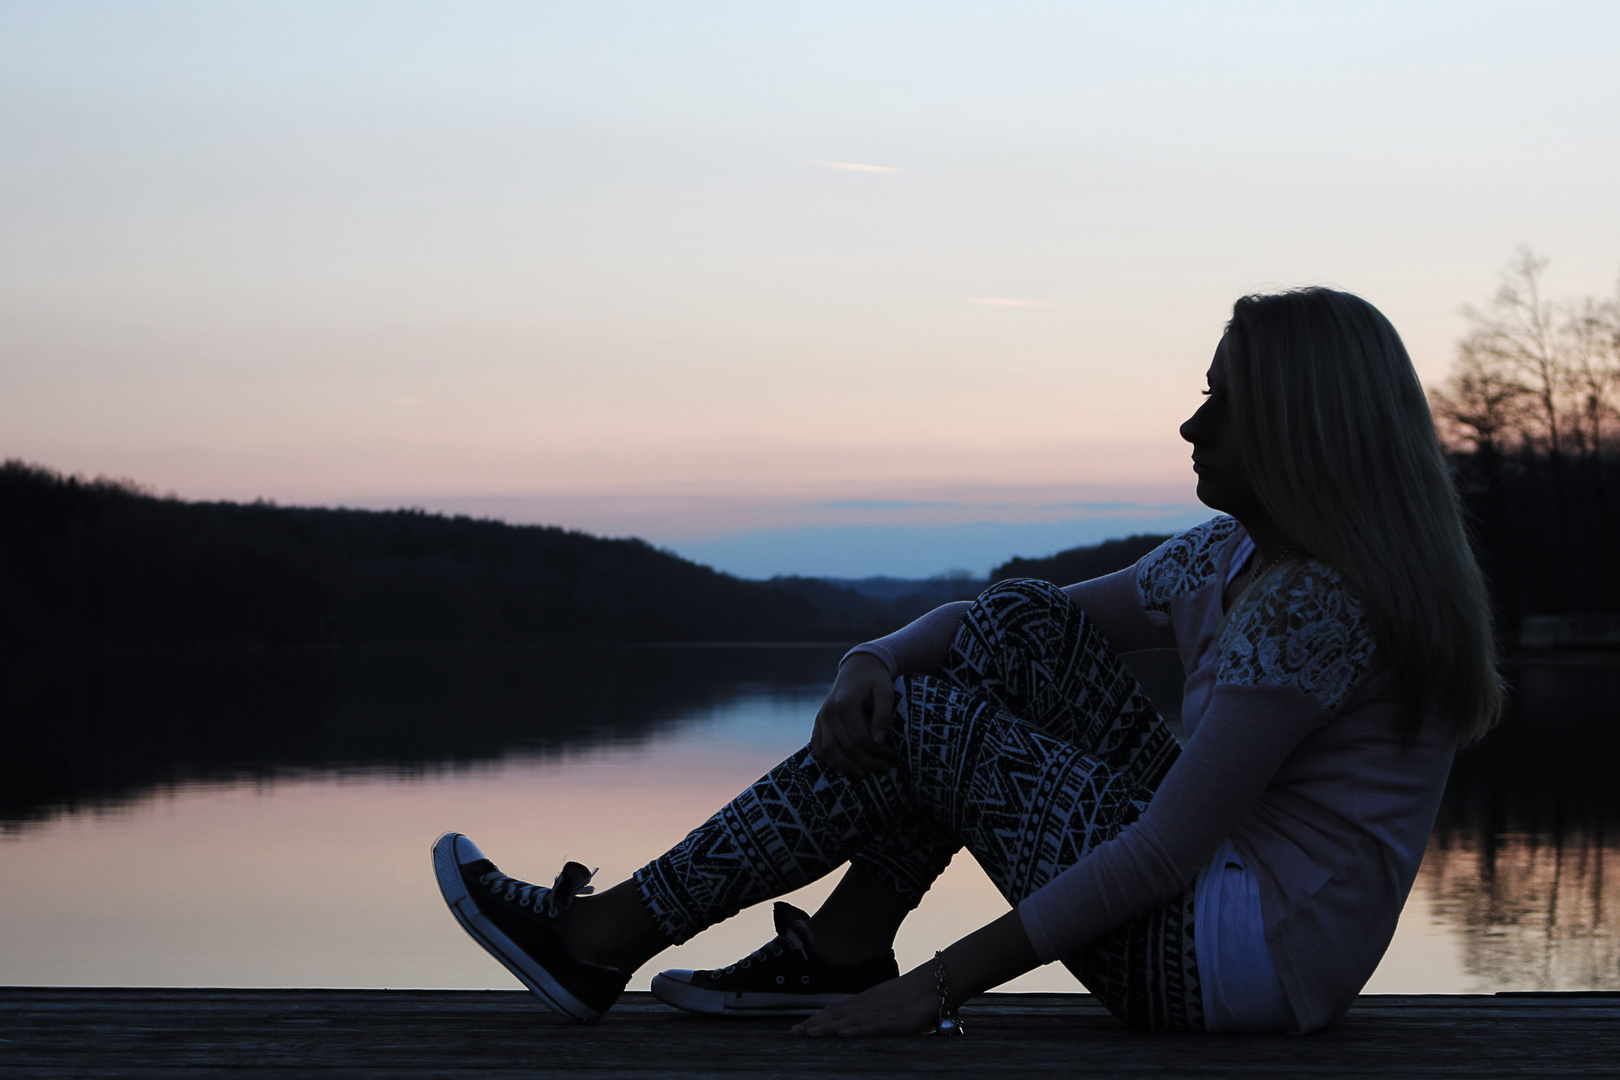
<point>867,712</point>
<point>844,736</point>
<point>854,751</point>
<point>826,742</point>
<point>900,1006</point>
<point>860,747</point>
<point>834,1019</point>
<point>833,746</point>
<point>818,737</point>
<point>882,720</point>
<point>851,732</point>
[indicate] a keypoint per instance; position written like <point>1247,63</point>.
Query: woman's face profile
<point>1222,482</point>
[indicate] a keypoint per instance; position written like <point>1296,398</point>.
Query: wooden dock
<point>54,1033</point>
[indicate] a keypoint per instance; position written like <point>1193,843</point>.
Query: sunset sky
<point>820,288</point>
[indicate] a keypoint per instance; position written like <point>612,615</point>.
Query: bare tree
<point>1592,333</point>
<point>1483,406</point>
<point>1533,373</point>
<point>1517,333</point>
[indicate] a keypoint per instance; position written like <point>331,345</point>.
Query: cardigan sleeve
<point>919,647</point>
<point>1112,602</point>
<point>1130,608</point>
<point>1242,741</point>
<point>1288,661</point>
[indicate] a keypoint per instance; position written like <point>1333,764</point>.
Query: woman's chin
<point>1222,500</point>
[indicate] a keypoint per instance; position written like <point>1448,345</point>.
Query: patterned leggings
<point>1034,747</point>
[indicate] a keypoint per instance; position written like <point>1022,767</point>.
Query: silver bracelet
<point>949,1023</point>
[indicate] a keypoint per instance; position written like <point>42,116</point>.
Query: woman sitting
<point>1336,636</point>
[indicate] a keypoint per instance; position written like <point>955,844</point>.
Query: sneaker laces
<point>572,881</point>
<point>793,932</point>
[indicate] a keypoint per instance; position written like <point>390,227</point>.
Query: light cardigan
<point>1293,753</point>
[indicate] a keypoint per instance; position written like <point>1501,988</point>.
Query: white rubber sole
<point>497,944</point>
<point>683,995</point>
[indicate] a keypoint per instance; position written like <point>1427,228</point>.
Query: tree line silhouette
<point>99,561</point>
<point>1081,563</point>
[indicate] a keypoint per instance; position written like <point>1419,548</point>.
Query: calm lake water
<point>263,819</point>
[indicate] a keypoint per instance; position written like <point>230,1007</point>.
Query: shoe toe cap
<point>462,850</point>
<point>680,975</point>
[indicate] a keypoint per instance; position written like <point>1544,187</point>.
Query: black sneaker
<point>519,924</point>
<point>785,978</point>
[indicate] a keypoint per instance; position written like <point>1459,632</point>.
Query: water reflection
<point>319,876</point>
<point>290,796</point>
<point>1522,856</point>
<point>1532,912</point>
<point>88,730</point>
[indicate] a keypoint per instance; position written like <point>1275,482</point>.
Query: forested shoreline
<point>93,563</point>
<point>96,562</point>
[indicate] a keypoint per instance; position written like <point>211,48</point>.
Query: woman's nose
<point>1196,428</point>
<point>1189,428</point>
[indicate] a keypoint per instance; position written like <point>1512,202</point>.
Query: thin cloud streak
<point>856,166</point>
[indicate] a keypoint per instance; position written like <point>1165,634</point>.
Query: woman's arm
<point>851,733</point>
<point>919,647</point>
<point>985,958</point>
<point>1112,602</point>
<point>852,727</point>
<point>1244,738</point>
<point>1235,752</point>
<point>1114,605</point>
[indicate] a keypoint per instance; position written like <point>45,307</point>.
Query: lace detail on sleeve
<point>1182,564</point>
<point>1306,631</point>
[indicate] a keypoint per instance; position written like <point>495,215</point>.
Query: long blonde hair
<point>1335,433</point>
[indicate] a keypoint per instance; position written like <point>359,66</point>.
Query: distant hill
<point>907,598</point>
<point>1080,563</point>
<point>97,561</point>
<point>913,596</point>
<point>940,588</point>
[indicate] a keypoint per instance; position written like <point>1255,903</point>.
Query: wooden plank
<point>49,1033</point>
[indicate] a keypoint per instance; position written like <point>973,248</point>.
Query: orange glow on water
<point>324,881</point>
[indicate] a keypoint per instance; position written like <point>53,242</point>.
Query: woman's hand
<point>852,728</point>
<point>902,1006</point>
<point>987,957</point>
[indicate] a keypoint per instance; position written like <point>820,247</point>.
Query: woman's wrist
<point>872,652</point>
<point>988,957</point>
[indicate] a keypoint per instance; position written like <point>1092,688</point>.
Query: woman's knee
<point>1009,608</point>
<point>1024,591</point>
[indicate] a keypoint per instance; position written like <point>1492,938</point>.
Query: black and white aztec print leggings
<point>1033,747</point>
